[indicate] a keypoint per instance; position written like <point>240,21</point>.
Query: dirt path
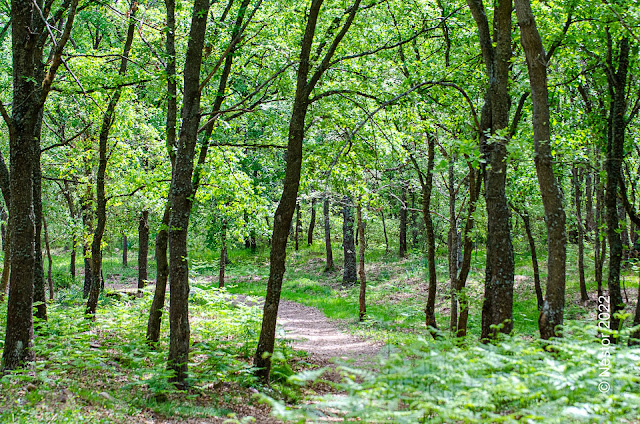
<point>314,333</point>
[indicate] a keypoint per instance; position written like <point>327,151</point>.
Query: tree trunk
<point>181,198</point>
<point>162,274</point>
<point>427,187</point>
<point>615,152</point>
<point>101,200</point>
<point>143,249</point>
<point>624,233</point>
<point>6,269</point>
<point>577,199</point>
<point>588,201</point>
<point>497,308</point>
<point>552,315</point>
<point>298,226</point>
<point>600,244</point>
<point>414,222</point>
<point>125,251</point>
<point>39,294</point>
<point>452,248</point>
<point>286,207</point>
<point>361,271</point>
<point>162,238</point>
<point>524,214</point>
<point>327,234</point>
<point>312,222</point>
<point>465,266</point>
<point>49,259</point>
<point>402,252</point>
<point>223,254</point>
<point>384,230</point>
<point>349,273</point>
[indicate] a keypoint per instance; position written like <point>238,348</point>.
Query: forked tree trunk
<point>361,271</point>
<point>327,234</point>
<point>162,275</point>
<point>497,307</point>
<point>552,315</point>
<point>29,97</point>
<point>143,249</point>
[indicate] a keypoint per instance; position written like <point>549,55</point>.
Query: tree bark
<point>577,200</point>
<point>349,276</point>
<point>361,271</point>
<point>143,249</point>
<point>125,251</point>
<point>49,259</point>
<point>223,254</point>
<point>327,234</point>
<point>162,238</point>
<point>615,153</point>
<point>312,222</point>
<point>497,308</point>
<point>298,226</point>
<point>402,249</point>
<point>524,214</point>
<point>465,266</point>
<point>384,230</point>
<point>452,247</point>
<point>101,200</point>
<point>29,96</point>
<point>181,198</point>
<point>552,315</point>
<point>162,274</point>
<point>286,207</point>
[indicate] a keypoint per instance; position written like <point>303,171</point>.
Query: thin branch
<point>126,194</point>
<point>64,142</point>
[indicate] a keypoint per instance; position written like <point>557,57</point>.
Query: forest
<point>237,211</point>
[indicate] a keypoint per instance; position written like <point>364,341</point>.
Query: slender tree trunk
<point>414,222</point>
<point>49,259</point>
<point>384,230</point>
<point>615,152</point>
<point>465,266</point>
<point>452,247</point>
<point>101,200</point>
<point>600,243</point>
<point>125,251</point>
<point>298,226</point>
<point>162,274</point>
<point>327,234</point>
<point>143,249</point>
<point>349,273</point>
<point>312,222</point>
<point>361,271</point>
<point>286,207</point>
<point>162,238</point>
<point>624,233</point>
<point>402,252</point>
<point>577,199</point>
<point>524,214</point>
<point>39,294</point>
<point>427,187</point>
<point>588,201</point>
<point>223,254</point>
<point>552,315</point>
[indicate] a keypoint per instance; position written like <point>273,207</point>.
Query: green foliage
<point>512,380</point>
